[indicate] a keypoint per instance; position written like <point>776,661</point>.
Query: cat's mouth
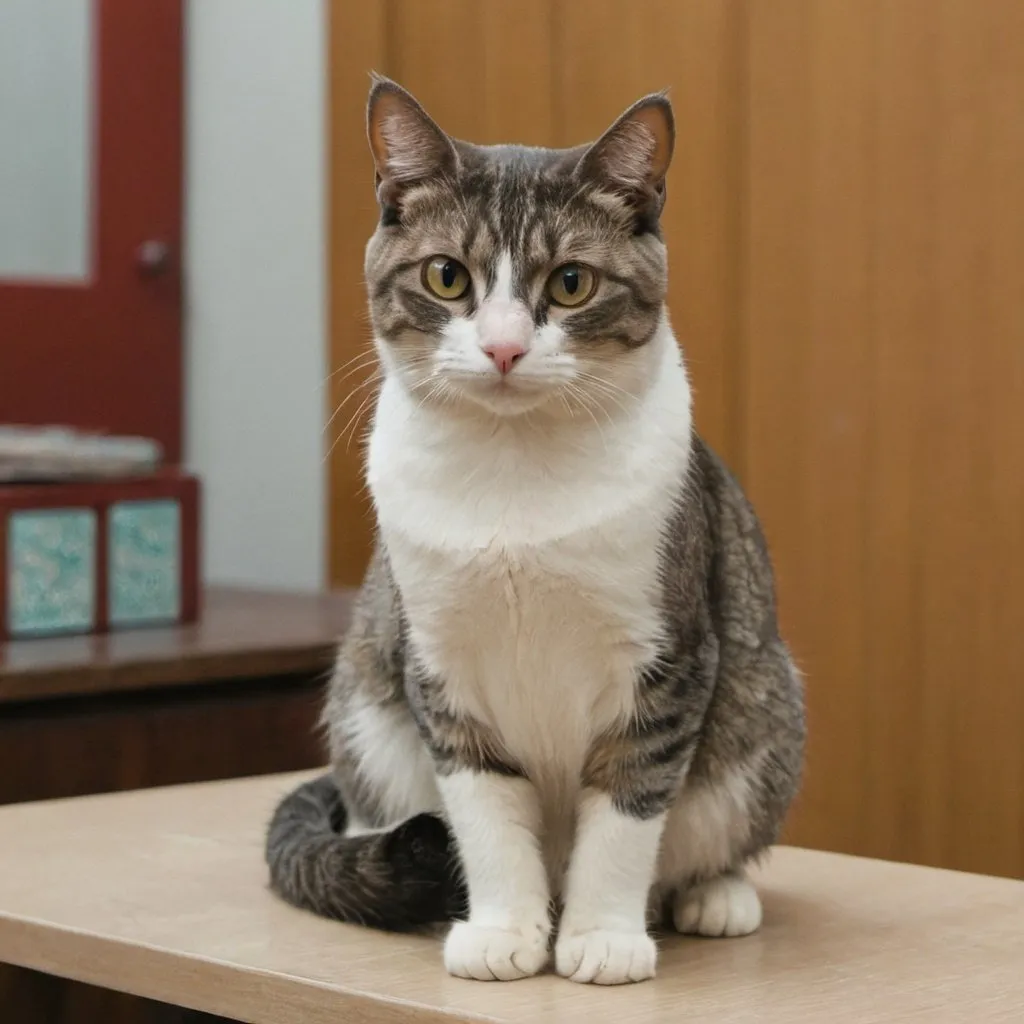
<point>509,394</point>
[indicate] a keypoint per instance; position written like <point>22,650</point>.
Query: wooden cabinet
<point>846,230</point>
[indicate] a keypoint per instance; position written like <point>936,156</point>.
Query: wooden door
<point>98,345</point>
<point>846,238</point>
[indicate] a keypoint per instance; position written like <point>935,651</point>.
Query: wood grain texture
<point>61,748</point>
<point>846,232</point>
<point>177,909</point>
<point>154,708</point>
<point>242,634</point>
<point>83,746</point>
<point>999,454</point>
<point>692,48</point>
<point>356,41</point>
<point>30,997</point>
<point>974,793</point>
<point>885,427</point>
<point>485,72</point>
<point>805,439</point>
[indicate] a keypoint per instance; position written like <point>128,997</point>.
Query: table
<point>163,894</point>
<point>238,693</point>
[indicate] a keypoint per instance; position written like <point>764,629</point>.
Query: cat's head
<point>511,277</point>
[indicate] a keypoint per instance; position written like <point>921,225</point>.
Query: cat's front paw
<point>603,957</point>
<point>495,954</point>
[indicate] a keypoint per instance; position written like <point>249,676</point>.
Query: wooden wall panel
<point>883,374</point>
<point>976,373</point>
<point>692,48</point>
<point>357,42</point>
<point>994,783</point>
<point>484,71</point>
<point>846,230</point>
<point>806,332</point>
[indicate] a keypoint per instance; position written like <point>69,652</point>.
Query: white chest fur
<point>528,560</point>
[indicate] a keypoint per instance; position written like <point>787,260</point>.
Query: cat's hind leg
<point>724,906</point>
<point>739,787</point>
<point>710,833</point>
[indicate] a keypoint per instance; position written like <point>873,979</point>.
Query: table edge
<point>151,972</point>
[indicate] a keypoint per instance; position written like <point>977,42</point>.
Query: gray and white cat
<point>565,653</point>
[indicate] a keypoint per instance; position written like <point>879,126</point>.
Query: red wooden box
<point>79,557</point>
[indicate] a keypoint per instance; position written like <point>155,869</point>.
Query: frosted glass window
<point>46,129</point>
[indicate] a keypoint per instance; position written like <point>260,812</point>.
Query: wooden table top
<point>163,894</point>
<point>242,633</point>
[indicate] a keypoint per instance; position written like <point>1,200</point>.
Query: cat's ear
<point>406,143</point>
<point>633,156</point>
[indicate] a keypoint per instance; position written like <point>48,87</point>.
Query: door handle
<point>153,257</point>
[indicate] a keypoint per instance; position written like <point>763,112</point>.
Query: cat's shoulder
<point>710,478</point>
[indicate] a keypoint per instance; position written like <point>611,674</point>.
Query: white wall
<point>256,293</point>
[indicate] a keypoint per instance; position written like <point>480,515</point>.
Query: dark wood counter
<point>237,694</point>
<point>242,634</point>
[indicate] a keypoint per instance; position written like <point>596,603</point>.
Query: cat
<point>563,693</point>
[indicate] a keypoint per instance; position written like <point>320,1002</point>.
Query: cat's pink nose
<point>505,354</point>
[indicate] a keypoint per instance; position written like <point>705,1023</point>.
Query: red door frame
<point>105,353</point>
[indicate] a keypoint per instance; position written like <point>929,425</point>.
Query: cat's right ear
<point>407,145</point>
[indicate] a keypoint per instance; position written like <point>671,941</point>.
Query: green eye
<point>571,284</point>
<point>445,277</point>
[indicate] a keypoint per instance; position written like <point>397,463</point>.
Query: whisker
<point>582,399</point>
<point>369,382</point>
<point>365,352</point>
<point>608,389</point>
<point>353,423</point>
<point>606,411</point>
<point>366,364</point>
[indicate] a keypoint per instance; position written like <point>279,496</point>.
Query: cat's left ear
<point>633,156</point>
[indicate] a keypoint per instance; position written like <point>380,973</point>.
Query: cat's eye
<point>571,284</point>
<point>445,277</point>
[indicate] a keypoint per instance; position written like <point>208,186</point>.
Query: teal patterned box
<point>91,555</point>
<point>144,551</point>
<point>51,557</point>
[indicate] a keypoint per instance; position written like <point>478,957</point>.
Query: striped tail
<point>397,880</point>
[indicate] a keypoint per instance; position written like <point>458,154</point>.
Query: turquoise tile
<point>144,577</point>
<point>51,554</point>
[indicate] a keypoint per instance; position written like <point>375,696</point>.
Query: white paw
<point>606,957</point>
<point>727,905</point>
<point>495,954</point>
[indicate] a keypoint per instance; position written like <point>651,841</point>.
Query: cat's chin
<point>503,400</point>
<point>510,404</point>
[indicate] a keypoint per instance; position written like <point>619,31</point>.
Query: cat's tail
<point>398,880</point>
